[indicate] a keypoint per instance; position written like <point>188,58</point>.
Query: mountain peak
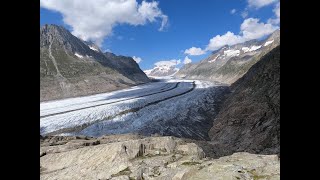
<point>53,29</point>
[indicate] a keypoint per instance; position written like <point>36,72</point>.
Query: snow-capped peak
<point>147,72</point>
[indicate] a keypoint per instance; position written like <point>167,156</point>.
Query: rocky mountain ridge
<point>230,62</point>
<point>71,67</point>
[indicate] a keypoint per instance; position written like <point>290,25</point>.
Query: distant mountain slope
<point>160,71</point>
<point>230,63</point>
<point>72,67</point>
<point>249,119</point>
<point>163,69</point>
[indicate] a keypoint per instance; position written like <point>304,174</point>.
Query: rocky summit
<point>135,157</point>
<point>72,67</point>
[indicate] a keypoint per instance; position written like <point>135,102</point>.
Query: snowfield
<point>131,110</point>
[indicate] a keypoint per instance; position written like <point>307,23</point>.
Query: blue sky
<point>191,23</point>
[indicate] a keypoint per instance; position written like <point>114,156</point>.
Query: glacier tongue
<point>169,101</point>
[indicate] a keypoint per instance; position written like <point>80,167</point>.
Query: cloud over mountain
<point>250,29</point>
<point>94,20</point>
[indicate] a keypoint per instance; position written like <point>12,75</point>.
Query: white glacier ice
<point>104,113</point>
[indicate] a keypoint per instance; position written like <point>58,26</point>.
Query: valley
<point>103,117</point>
<point>147,109</point>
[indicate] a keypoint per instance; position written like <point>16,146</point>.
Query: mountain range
<point>244,141</point>
<point>162,70</point>
<point>72,67</point>
<point>229,63</point>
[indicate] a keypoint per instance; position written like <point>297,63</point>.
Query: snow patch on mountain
<point>211,61</point>
<point>78,55</point>
<point>268,43</point>
<point>93,48</point>
<point>231,52</point>
<point>148,71</point>
<point>245,49</point>
<point>253,48</point>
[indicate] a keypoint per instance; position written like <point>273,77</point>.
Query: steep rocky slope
<point>249,119</point>
<point>135,157</point>
<point>230,63</point>
<point>71,67</point>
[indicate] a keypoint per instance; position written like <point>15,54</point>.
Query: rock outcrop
<point>249,119</point>
<point>135,157</point>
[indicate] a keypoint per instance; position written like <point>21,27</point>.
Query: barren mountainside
<point>229,63</point>
<point>72,67</point>
<point>249,119</point>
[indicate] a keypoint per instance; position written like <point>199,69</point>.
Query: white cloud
<point>167,63</point>
<point>276,11</point>
<point>194,51</point>
<point>94,20</point>
<point>187,60</point>
<point>244,14</point>
<point>250,29</point>
<point>137,59</point>
<point>233,11</point>
<point>227,39</point>
<point>260,3</point>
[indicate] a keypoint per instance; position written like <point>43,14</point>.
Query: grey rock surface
<point>135,157</point>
